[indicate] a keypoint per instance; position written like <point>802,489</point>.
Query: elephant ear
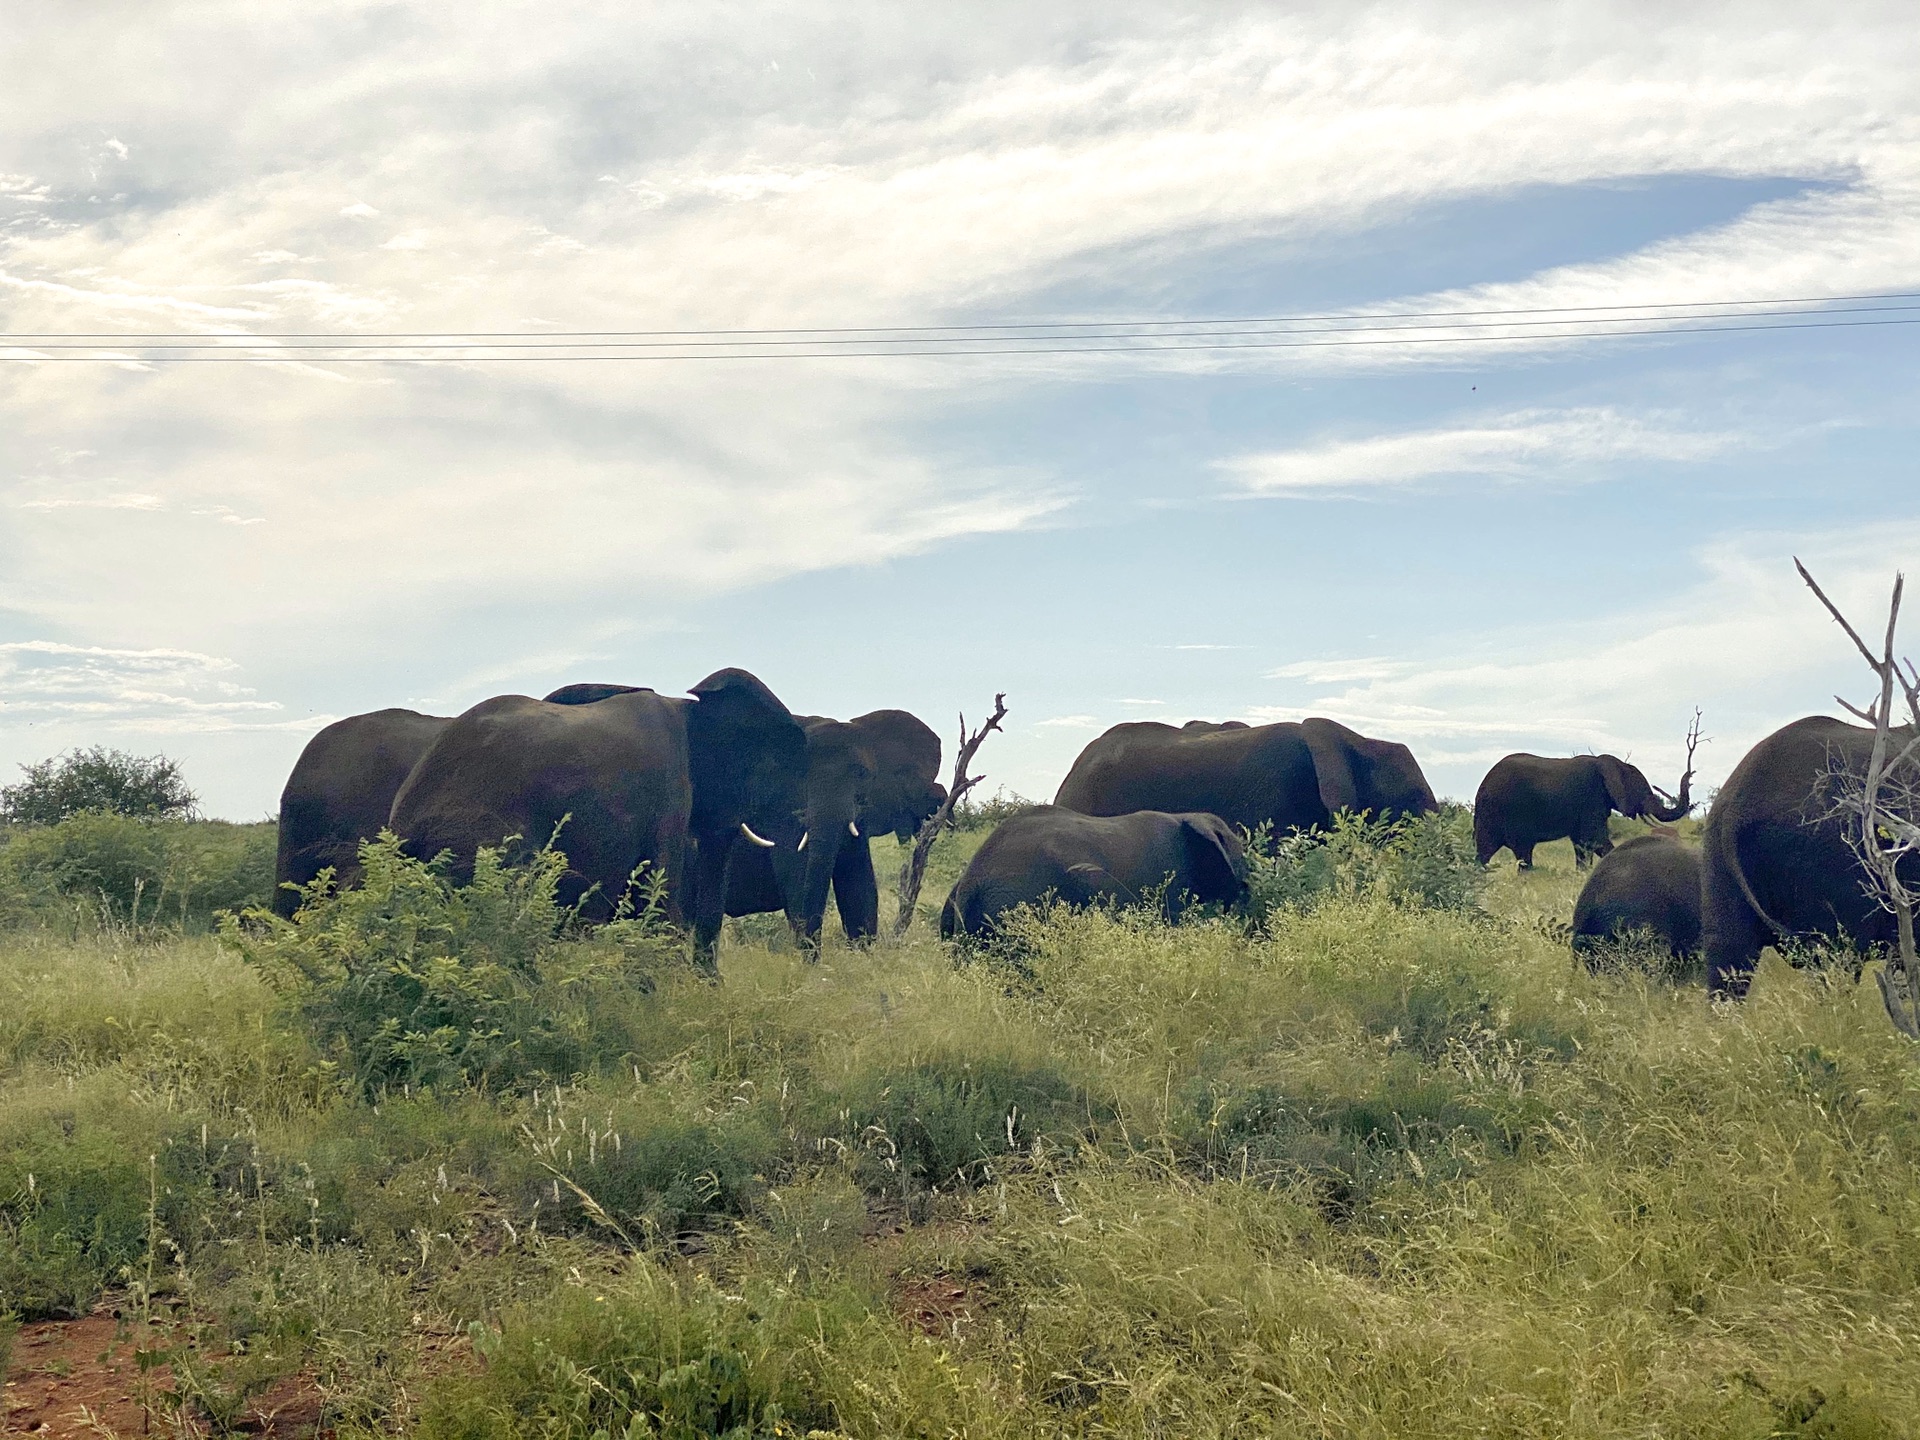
<point>746,752</point>
<point>1216,859</point>
<point>1333,764</point>
<point>587,692</point>
<point>1619,777</point>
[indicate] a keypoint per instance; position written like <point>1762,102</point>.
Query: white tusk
<point>853,829</point>
<point>747,830</point>
<point>803,840</point>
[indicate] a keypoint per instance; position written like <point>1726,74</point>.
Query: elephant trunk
<point>1678,807</point>
<point>810,871</point>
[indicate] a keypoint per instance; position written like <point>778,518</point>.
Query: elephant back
<point>611,777</point>
<point>1652,883</point>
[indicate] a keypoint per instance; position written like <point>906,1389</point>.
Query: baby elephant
<point>1651,882</point>
<point>1085,859</point>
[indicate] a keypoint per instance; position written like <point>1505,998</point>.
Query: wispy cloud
<point>1070,722</point>
<point>152,689</point>
<point>1536,442</point>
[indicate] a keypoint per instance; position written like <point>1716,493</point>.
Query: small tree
<point>1881,806</point>
<point>99,780</point>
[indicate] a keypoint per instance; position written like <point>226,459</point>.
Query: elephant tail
<point>949,920</point>
<point>1734,861</point>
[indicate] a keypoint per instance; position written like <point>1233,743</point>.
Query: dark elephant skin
<point>1290,775</point>
<point>339,793</point>
<point>587,693</point>
<point>1649,883</point>
<point>1775,862</point>
<point>1049,852</point>
<point>640,774</point>
<point>867,776</point>
<point>1527,800</point>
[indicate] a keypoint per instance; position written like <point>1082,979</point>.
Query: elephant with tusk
<point>1526,800</point>
<point>867,776</point>
<point>635,775</point>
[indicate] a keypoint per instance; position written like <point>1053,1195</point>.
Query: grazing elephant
<point>867,776</point>
<point>1649,883</point>
<point>639,774</point>
<point>1775,860</point>
<point>1293,775</point>
<point>339,793</point>
<point>1048,851</point>
<point>1528,799</point>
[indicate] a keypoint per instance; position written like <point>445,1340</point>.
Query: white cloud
<point>359,210</point>
<point>1070,722</point>
<point>1143,702</point>
<point>172,690</point>
<point>1747,643</point>
<point>129,501</point>
<point>1329,672</point>
<point>407,240</point>
<point>1527,443</point>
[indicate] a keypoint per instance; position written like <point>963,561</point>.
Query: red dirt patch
<point>77,1378</point>
<point>940,1305</point>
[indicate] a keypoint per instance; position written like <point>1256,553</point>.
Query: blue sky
<point>1554,546</point>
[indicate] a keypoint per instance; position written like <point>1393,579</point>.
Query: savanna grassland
<point>1382,1163</point>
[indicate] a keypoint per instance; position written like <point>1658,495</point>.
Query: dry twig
<point>1882,804</point>
<point>915,870</point>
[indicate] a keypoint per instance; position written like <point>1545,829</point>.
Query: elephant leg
<point>711,856</point>
<point>856,891</point>
<point>1732,935</point>
<point>1524,854</point>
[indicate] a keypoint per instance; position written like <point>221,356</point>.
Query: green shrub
<point>122,870</point>
<point>102,781</point>
<point>1426,862</point>
<point>923,1126</point>
<point>413,981</point>
<point>971,814</point>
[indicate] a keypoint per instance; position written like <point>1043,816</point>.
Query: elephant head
<point>1632,796</point>
<point>746,756</point>
<point>1217,859</point>
<point>1357,773</point>
<point>867,776</point>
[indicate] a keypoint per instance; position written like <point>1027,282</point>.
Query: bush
<point>1425,862</point>
<point>972,814</point>
<point>131,871</point>
<point>411,980</point>
<point>106,781</point>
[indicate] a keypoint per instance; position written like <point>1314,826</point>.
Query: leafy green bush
<point>102,781</point>
<point>918,1127</point>
<point>411,980</point>
<point>118,869</point>
<point>1427,862</point>
<point>971,814</point>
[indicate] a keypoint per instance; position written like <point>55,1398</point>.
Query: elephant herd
<point>741,806</point>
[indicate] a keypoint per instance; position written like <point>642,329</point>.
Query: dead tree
<point>1684,799</point>
<point>915,870</point>
<point>1881,805</point>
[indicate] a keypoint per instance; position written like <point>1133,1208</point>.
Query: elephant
<point>1050,851</point>
<point>339,793</point>
<point>1648,883</point>
<point>1528,799</point>
<point>634,774</point>
<point>864,777</point>
<point>1775,861</point>
<point>1291,775</point>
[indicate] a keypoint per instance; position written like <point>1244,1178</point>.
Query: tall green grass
<point>1382,1164</point>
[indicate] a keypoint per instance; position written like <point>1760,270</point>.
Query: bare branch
<point>915,870</point>
<point>1834,610</point>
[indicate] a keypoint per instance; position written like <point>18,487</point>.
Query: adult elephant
<point>1291,775</point>
<point>635,775</point>
<point>1649,884</point>
<point>339,793</point>
<point>1775,861</point>
<point>867,776</point>
<point>1048,852</point>
<point>1526,800</point>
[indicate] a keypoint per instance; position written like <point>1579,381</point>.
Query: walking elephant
<point>1292,775</point>
<point>1650,884</point>
<point>634,774</point>
<point>339,793</point>
<point>863,777</point>
<point>1774,856</point>
<point>1526,800</point>
<point>1050,852</point>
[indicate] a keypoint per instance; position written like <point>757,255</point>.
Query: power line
<point>402,336</point>
<point>239,342</point>
<point>1330,341</point>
